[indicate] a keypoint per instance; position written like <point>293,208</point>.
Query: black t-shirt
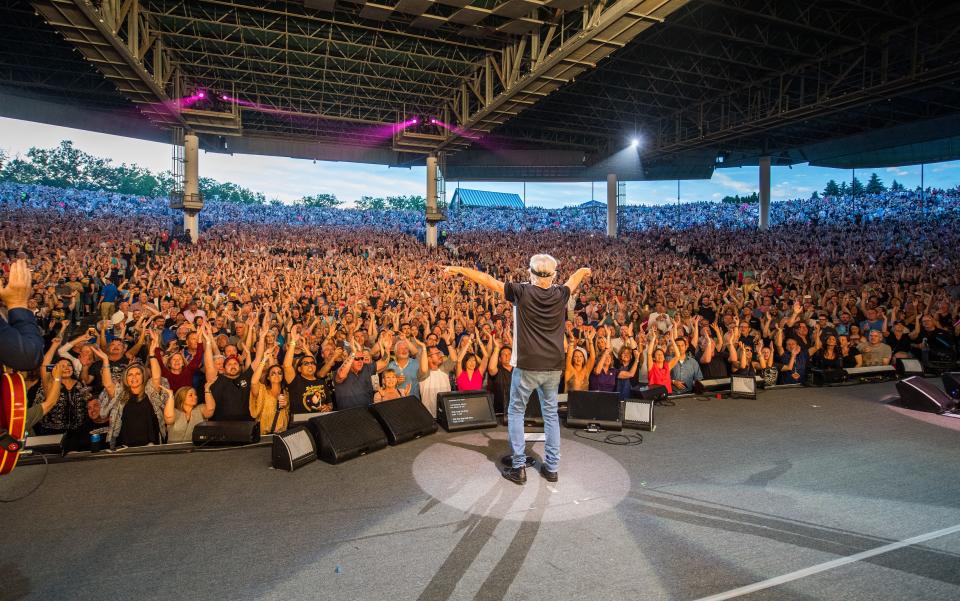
<point>538,325</point>
<point>232,396</point>
<point>903,345</point>
<point>499,385</point>
<point>718,368</point>
<point>139,425</point>
<point>306,396</point>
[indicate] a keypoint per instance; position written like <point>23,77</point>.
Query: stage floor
<point>724,494</point>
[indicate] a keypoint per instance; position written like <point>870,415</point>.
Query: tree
<point>843,189</point>
<point>874,185</point>
<point>3,158</point>
<point>896,186</point>
<point>67,167</point>
<point>739,200</point>
<point>832,189</point>
<point>815,195</point>
<point>856,188</point>
<point>370,203</point>
<point>320,201</point>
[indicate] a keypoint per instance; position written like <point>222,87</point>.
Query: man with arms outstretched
<point>539,308</point>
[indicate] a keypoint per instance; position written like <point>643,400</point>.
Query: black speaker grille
<point>404,419</point>
<point>346,434</point>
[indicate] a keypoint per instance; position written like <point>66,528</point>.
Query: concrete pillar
<point>191,185</point>
<point>611,205</point>
<point>764,192</point>
<point>191,224</point>
<point>431,199</point>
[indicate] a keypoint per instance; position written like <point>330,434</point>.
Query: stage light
<point>433,120</point>
<point>634,143</point>
<point>201,94</point>
<point>414,121</point>
<point>225,97</point>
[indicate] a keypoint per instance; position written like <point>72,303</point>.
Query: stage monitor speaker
<point>717,385</point>
<point>346,434</point>
<point>825,377</point>
<point>404,419</point>
<point>226,432</point>
<point>909,367</point>
<point>465,410</point>
<point>293,449</point>
<point>656,392</point>
<point>587,408</point>
<point>874,373</point>
<point>951,383</point>
<point>638,413</point>
<point>743,387</point>
<point>920,394</point>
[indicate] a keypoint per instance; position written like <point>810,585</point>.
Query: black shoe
<point>550,476</point>
<point>517,475</point>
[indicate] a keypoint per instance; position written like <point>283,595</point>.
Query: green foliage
<point>815,195</point>
<point>68,167</point>
<point>211,189</point>
<point>874,185</point>
<point>321,201</point>
<point>843,189</point>
<point>832,189</point>
<point>745,199</point>
<point>896,186</point>
<point>856,188</point>
<point>370,203</point>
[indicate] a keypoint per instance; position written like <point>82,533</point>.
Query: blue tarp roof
<point>465,198</point>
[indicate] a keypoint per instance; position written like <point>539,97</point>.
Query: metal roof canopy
<point>532,89</point>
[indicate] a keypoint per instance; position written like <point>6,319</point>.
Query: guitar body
<point>13,416</point>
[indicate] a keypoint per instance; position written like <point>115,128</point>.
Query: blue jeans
<point>522,385</point>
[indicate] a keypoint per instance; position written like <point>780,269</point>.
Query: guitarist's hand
<point>18,289</point>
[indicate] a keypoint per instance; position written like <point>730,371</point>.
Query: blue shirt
<point>409,375</point>
<point>109,293</point>
<point>687,371</point>
<point>356,390</point>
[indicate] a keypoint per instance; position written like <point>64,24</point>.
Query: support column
<point>764,193</point>
<point>611,205</point>
<point>431,237</point>
<point>191,186</point>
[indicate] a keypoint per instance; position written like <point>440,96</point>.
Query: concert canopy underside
<point>535,90</point>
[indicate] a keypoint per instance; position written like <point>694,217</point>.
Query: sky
<point>291,179</point>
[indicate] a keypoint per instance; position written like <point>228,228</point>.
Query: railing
<point>186,202</point>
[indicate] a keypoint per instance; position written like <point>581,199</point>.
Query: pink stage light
<point>201,94</point>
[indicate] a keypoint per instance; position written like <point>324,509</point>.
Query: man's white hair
<point>543,270</point>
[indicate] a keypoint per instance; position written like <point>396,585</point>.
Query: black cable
<point>620,440</point>
<point>43,478</point>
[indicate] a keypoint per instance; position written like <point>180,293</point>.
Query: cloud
<point>736,185</point>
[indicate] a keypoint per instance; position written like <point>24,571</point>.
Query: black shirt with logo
<point>307,396</point>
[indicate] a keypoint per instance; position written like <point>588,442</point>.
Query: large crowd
<point>281,310</point>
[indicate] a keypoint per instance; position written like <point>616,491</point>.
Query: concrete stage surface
<point>805,493</point>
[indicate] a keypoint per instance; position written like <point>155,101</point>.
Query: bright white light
<point>634,143</point>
